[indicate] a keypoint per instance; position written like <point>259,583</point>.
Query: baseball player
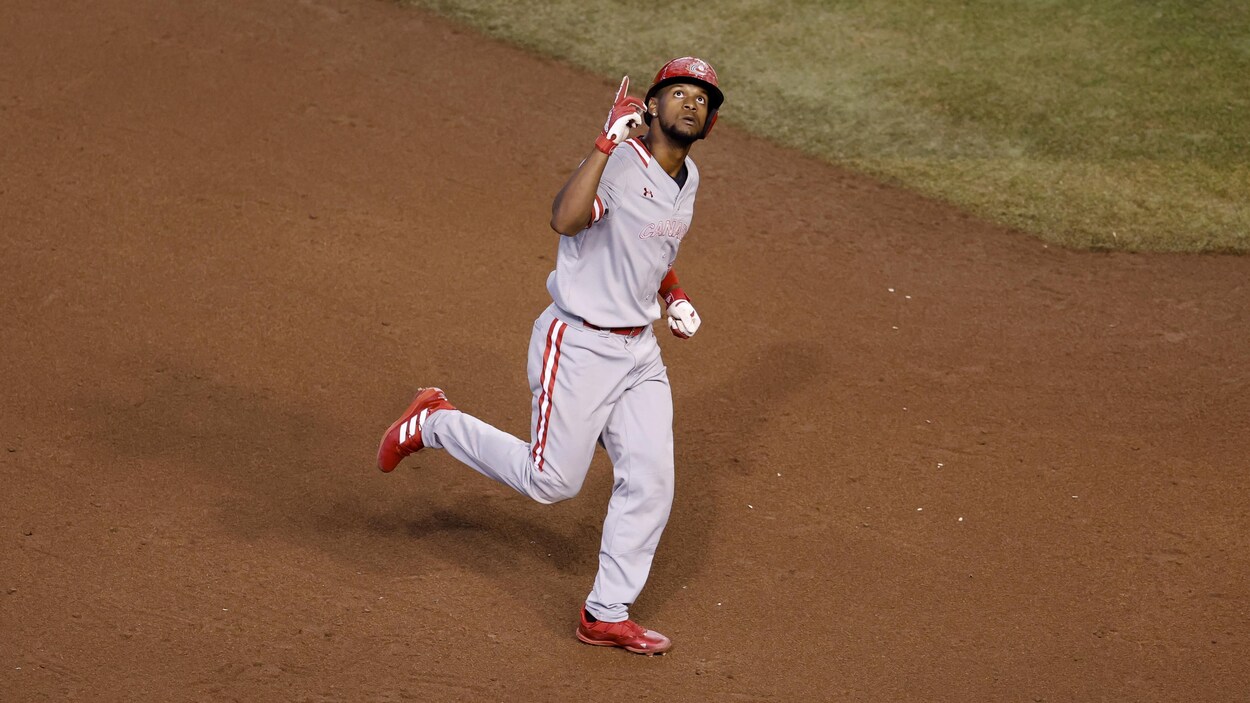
<point>595,370</point>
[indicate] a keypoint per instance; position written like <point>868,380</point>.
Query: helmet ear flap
<point>711,120</point>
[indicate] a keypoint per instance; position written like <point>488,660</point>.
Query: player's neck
<point>669,154</point>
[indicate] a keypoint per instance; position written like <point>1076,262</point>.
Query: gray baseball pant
<point>587,386</point>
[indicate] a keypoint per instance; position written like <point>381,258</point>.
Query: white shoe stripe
<point>403,433</point>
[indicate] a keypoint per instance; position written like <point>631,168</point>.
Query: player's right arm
<point>577,205</point>
<point>574,207</point>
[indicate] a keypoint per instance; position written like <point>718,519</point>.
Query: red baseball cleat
<point>403,437</point>
<point>626,634</point>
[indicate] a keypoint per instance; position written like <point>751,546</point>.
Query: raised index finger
<point>623,90</point>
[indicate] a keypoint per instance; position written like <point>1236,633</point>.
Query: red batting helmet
<point>689,69</point>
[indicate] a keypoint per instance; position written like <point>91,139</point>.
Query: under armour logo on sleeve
<point>647,192</point>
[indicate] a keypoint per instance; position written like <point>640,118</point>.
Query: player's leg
<point>639,440</point>
<point>574,376</point>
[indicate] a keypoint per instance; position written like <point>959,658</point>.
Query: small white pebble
<point>940,464</point>
<point>961,519</point>
<point>907,296</point>
<point>893,327</point>
<point>718,603</point>
<point>919,509</point>
<point>778,473</point>
<point>890,289</point>
<point>928,422</point>
<point>226,610</point>
<point>750,506</point>
<point>904,408</point>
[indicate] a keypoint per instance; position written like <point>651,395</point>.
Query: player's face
<point>681,109</point>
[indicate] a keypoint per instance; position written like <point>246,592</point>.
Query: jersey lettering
<point>673,229</point>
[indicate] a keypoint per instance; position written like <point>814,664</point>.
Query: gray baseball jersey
<point>608,274</point>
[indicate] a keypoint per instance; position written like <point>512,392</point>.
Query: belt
<point>623,331</point>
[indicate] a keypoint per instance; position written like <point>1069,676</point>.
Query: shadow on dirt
<point>275,458</point>
<point>726,424</point>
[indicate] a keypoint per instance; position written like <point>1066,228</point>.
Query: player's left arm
<point>683,319</point>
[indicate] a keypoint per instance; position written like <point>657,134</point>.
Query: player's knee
<point>550,487</point>
<point>658,491</point>
<point>658,487</point>
<point>656,461</point>
<point>554,493</point>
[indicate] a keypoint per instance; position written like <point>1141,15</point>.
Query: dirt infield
<point>919,457</point>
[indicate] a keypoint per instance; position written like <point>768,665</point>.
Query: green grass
<point>1117,124</point>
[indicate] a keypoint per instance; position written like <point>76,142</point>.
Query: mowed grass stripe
<point>1117,124</point>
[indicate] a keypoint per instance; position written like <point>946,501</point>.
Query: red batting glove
<point>625,115</point>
